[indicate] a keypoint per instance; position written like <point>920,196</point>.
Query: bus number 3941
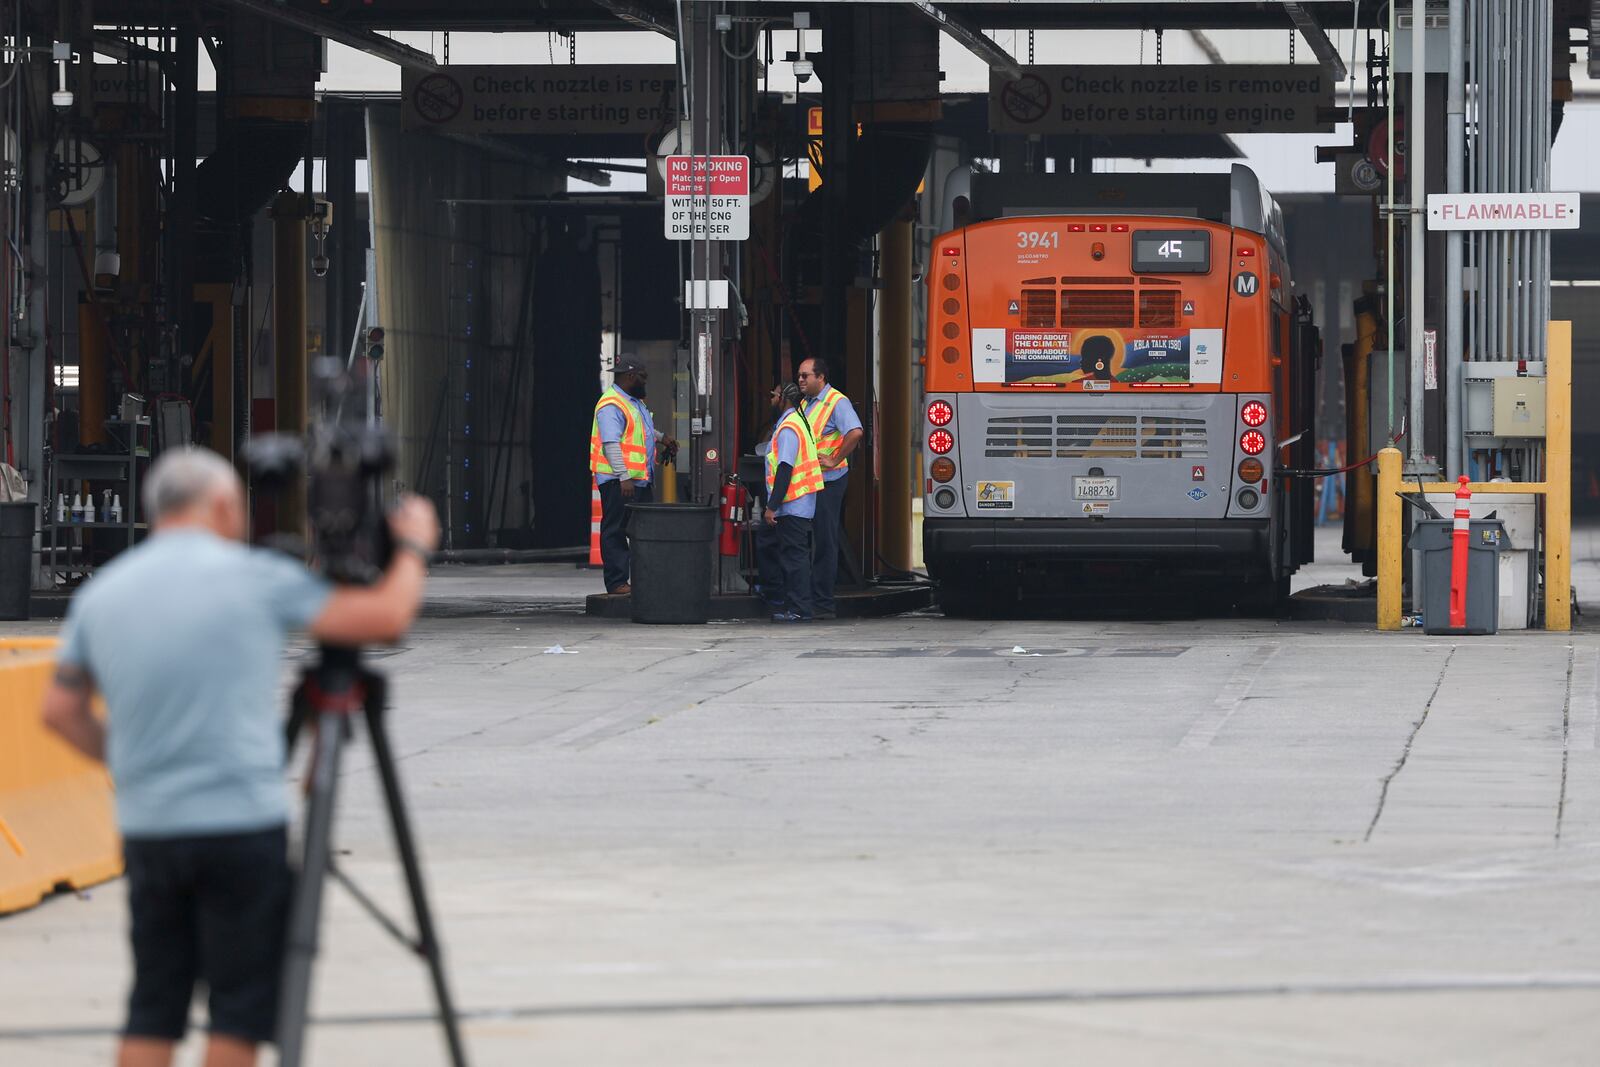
<point>1038,239</point>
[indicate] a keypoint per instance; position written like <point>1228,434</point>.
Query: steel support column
<point>289,336</point>
<point>896,408</point>
<point>1416,248</point>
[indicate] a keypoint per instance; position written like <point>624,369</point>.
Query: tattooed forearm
<point>71,677</point>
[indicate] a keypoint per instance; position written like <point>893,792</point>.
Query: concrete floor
<point>903,841</point>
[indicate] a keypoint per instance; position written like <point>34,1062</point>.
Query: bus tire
<point>1267,599</point>
<point>963,601</point>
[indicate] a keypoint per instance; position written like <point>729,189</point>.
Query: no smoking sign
<point>1027,99</point>
<point>437,98</point>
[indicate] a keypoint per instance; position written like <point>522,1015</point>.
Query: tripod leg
<point>427,941</point>
<point>305,915</point>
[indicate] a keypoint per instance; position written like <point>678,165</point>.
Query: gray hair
<point>184,477</point>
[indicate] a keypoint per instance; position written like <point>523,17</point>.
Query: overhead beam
<point>973,41</point>
<point>374,44</point>
<point>637,15</point>
<point>1319,41</point>
<point>1208,46</point>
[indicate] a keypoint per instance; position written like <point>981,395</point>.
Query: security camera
<point>319,265</point>
<point>803,70</point>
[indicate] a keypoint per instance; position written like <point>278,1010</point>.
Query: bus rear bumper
<point>1223,543</point>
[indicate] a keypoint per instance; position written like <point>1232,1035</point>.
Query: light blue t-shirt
<point>843,420</point>
<point>613,424</point>
<point>184,636</point>
<point>788,446</point>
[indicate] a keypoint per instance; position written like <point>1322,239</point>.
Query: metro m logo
<point>1245,283</point>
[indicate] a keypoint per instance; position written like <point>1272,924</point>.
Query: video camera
<point>342,459</point>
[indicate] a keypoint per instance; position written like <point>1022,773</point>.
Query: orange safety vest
<point>635,460</point>
<point>807,476</point>
<point>828,441</point>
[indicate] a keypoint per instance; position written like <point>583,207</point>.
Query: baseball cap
<point>629,364</point>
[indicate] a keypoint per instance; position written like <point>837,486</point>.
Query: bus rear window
<point>1171,251</point>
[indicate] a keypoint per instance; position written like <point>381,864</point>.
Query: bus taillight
<point>1251,442</point>
<point>940,413</point>
<point>942,441</point>
<point>1254,413</point>
<point>1251,471</point>
<point>942,469</point>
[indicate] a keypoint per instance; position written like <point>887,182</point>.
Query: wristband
<point>422,554</point>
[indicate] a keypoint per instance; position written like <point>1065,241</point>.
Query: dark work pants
<point>825,531</point>
<point>769,568</point>
<point>794,556</point>
<point>613,542</point>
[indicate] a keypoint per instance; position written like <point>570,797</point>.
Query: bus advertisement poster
<point>1038,356</point>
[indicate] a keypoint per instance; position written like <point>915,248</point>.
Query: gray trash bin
<point>16,558</point>
<point>671,546</point>
<point>1485,538</point>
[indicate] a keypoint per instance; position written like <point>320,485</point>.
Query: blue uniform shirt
<point>788,446</point>
<point>184,636</point>
<point>842,421</point>
<point>612,426</point>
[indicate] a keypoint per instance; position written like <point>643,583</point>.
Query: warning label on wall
<point>539,99</point>
<point>1161,99</point>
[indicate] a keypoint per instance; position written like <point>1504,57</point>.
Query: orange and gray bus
<point>1115,367</point>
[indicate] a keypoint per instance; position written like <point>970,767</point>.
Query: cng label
<point>1245,283</point>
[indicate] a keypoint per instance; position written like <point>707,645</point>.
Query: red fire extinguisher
<point>732,516</point>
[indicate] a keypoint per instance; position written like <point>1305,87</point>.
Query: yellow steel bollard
<point>1389,551</point>
<point>1558,479</point>
<point>669,482</point>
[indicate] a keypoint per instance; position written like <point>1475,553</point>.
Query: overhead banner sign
<point>539,99</point>
<point>1161,99</point>
<point>1503,211</point>
<point>708,198</point>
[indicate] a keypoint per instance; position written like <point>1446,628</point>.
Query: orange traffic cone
<point>594,525</point>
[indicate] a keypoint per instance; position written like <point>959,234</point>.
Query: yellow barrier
<point>1556,490</point>
<point>57,824</point>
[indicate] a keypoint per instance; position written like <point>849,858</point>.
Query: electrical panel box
<point>1519,407</point>
<point>1481,387</point>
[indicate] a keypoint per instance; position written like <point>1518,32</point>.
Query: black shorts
<point>212,910</point>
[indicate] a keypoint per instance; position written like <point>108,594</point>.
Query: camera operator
<point>184,636</point>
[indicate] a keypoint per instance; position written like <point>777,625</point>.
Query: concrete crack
<point>1405,753</point>
<point>1566,736</point>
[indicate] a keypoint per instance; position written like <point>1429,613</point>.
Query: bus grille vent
<point>1091,436</point>
<point>1158,308</point>
<point>1109,308</point>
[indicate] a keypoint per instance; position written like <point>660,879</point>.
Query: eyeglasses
<point>807,374</point>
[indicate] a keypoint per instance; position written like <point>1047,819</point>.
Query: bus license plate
<point>1094,488</point>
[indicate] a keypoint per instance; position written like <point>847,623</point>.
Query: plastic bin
<point>672,547</point>
<point>1485,538</point>
<point>16,558</point>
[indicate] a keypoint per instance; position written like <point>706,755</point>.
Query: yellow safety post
<point>1558,478</point>
<point>669,482</point>
<point>1389,552</point>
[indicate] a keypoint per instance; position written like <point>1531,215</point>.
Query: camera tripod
<point>329,696</point>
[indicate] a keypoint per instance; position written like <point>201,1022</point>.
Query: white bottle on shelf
<point>77,507</point>
<point>116,508</point>
<point>61,509</point>
<point>105,506</point>
<point>88,507</point>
